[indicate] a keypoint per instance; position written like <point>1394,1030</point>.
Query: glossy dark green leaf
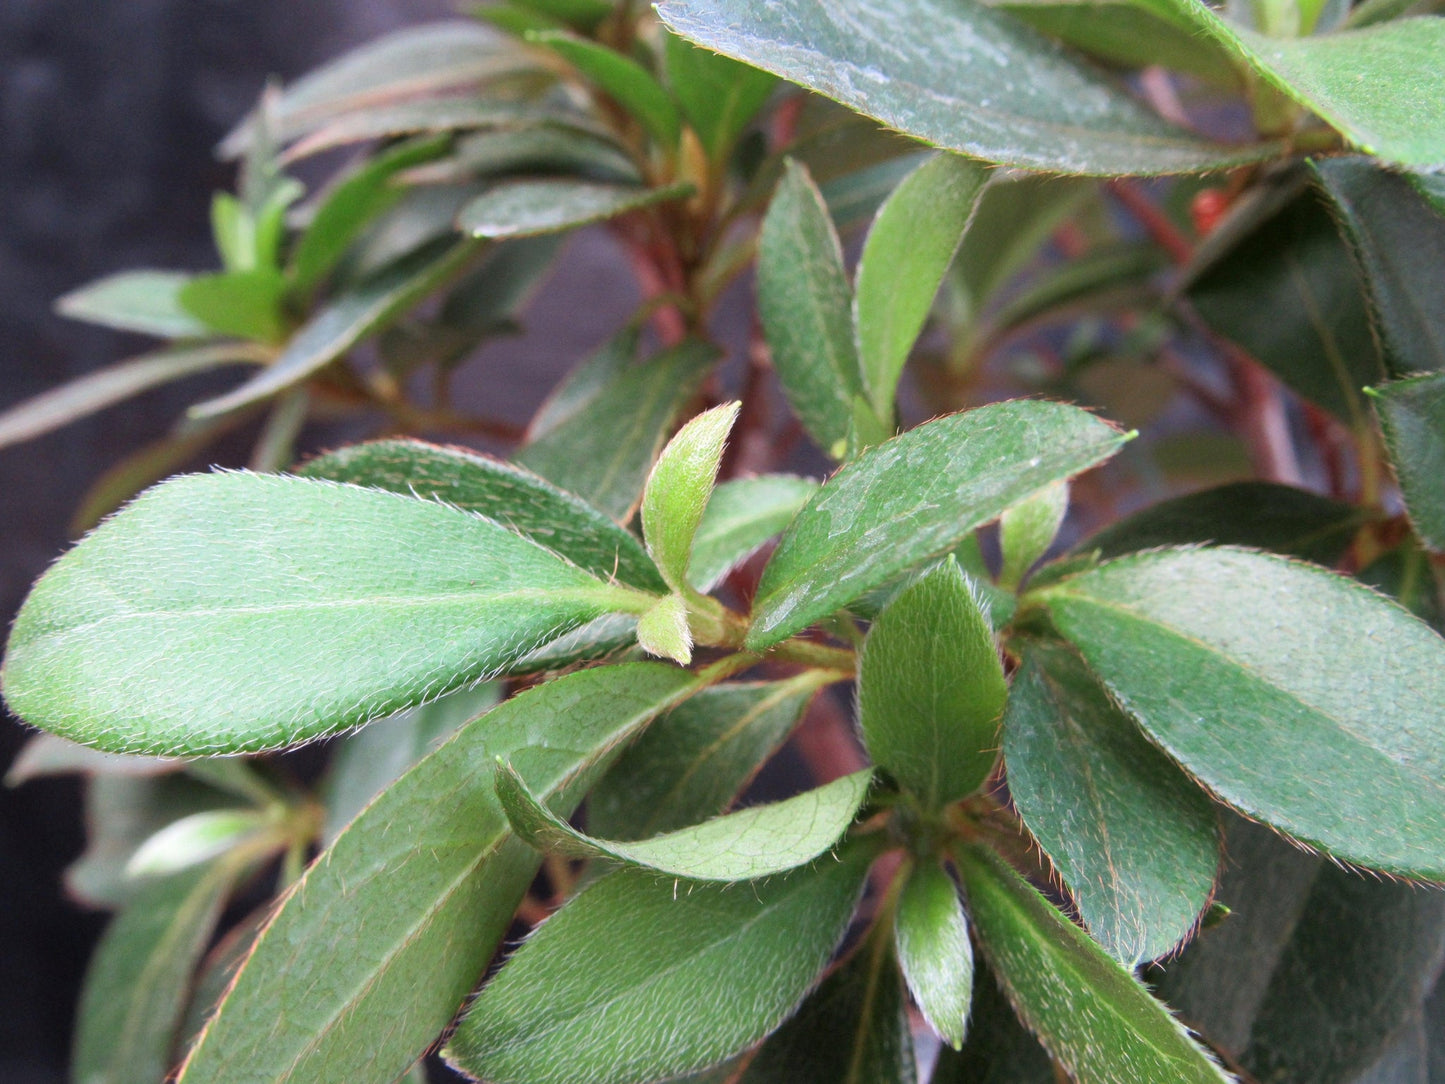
<point>678,489</point>
<point>507,494</point>
<point>1237,662</point>
<point>112,384</point>
<point>805,304</point>
<point>931,937</point>
<point>1131,835</point>
<point>958,75</point>
<point>623,79</point>
<point>602,444</point>
<point>1398,240</point>
<point>1376,85</point>
<point>1412,415</point>
<point>531,207</point>
<point>909,249</point>
<point>1027,530</point>
<point>284,608</point>
<point>742,515</point>
<point>344,322</point>
<point>147,302</point>
<point>1261,515</point>
<point>999,1049</point>
<point>246,304</point>
<point>690,763</point>
<point>350,205</point>
<point>367,762</point>
<point>137,983</point>
<point>750,843</point>
<point>1289,295</point>
<point>915,497</point>
<point>853,1029</point>
<point>378,945</point>
<point>719,96</point>
<point>639,977</point>
<point>931,689</point>
<point>1091,1014</point>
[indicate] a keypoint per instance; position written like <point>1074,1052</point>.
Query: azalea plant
<point>1085,721</point>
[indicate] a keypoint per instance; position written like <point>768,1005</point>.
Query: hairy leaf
<point>931,936</point>
<point>956,74</point>
<point>1131,835</point>
<point>231,612</point>
<point>640,977</point>
<point>678,489</point>
<point>740,516</point>
<point>915,497</point>
<point>530,207</point>
<point>663,630</point>
<point>999,1049</point>
<point>931,689</point>
<point>755,842</point>
<point>1237,663</point>
<point>377,946</point>
<point>1412,415</point>
<point>1027,530</point>
<point>1093,1016</point>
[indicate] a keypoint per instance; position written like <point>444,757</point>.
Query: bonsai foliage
<point>1076,794</point>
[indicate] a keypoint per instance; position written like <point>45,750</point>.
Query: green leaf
<point>956,74</point>
<point>1093,1016</point>
<point>1412,416</point>
<point>550,149</point>
<point>246,304</point>
<point>195,839</point>
<point>1288,294</point>
<point>755,842</point>
<point>601,444</point>
<point>350,205</point>
<point>719,96</point>
<point>663,630</point>
<point>46,755</point>
<point>678,489</point>
<point>999,1049</point>
<point>237,612</point>
<point>622,79</point>
<point>1237,663</point>
<point>422,117</point>
<point>147,302</point>
<point>931,937</point>
<point>531,207</point>
<point>344,322</point>
<point>909,249</point>
<point>639,977</point>
<point>1261,515</point>
<point>137,984</point>
<point>1378,85</point>
<point>1133,838</point>
<point>853,1029</point>
<point>740,516</point>
<point>1398,240</point>
<point>1027,530</point>
<point>506,494</point>
<point>931,689</point>
<point>97,390</point>
<point>585,14</point>
<point>690,763</point>
<point>377,946</point>
<point>367,762</point>
<point>806,308</point>
<point>915,497</point>
<point>1404,574</point>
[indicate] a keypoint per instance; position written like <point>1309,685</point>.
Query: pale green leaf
<point>1132,836</point>
<point>931,689</point>
<point>527,208</point>
<point>233,612</point>
<point>1412,416</point>
<point>147,302</point>
<point>931,937</point>
<point>507,494</point>
<point>909,249</point>
<point>641,977</point>
<point>1093,1016</point>
<point>246,304</point>
<point>1027,530</point>
<point>956,74</point>
<point>755,842</point>
<point>915,497</point>
<point>662,630</point>
<point>195,839</point>
<point>678,490</point>
<point>376,948</point>
<point>740,516</point>
<point>1237,663</point>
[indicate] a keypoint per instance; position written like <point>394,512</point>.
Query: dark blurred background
<point>109,110</point>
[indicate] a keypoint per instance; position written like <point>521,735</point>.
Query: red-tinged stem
<point>1155,222</point>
